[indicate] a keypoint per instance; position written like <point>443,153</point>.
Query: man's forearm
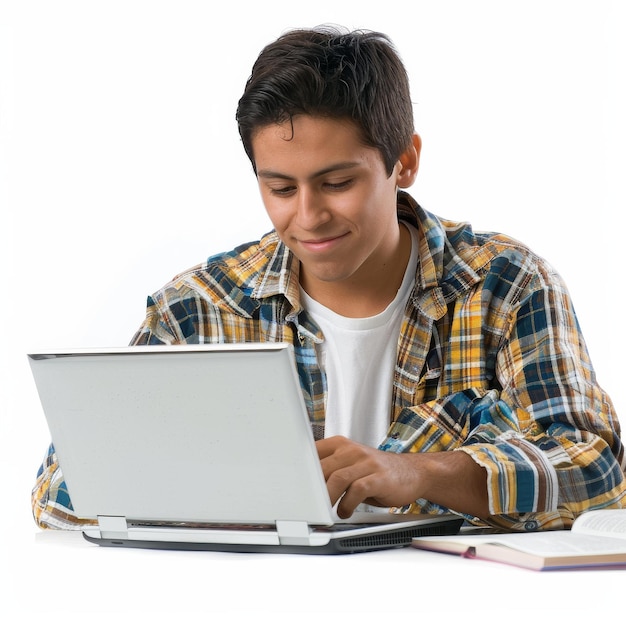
<point>455,481</point>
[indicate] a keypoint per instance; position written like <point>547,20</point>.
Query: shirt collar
<point>443,265</point>
<point>281,275</point>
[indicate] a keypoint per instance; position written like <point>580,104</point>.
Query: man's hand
<point>355,473</point>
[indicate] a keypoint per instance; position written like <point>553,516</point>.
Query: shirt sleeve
<point>51,504</point>
<point>159,327</point>
<point>547,435</point>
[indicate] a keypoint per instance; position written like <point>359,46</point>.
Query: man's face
<point>329,198</point>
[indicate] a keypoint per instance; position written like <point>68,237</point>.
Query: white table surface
<point>58,577</point>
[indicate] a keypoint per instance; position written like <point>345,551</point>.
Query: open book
<point>597,538</point>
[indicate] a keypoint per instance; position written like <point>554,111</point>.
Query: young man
<point>441,368</point>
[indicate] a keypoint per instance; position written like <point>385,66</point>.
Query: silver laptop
<point>203,447</point>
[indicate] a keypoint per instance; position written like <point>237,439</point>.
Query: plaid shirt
<point>490,362</point>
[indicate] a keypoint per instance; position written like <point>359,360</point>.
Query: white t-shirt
<point>359,357</point>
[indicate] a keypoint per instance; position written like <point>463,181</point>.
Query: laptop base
<point>383,540</point>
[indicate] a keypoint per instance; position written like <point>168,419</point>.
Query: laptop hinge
<point>113,527</point>
<point>293,533</point>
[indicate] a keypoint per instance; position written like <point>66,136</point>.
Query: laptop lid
<point>203,433</point>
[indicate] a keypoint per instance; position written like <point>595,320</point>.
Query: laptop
<point>201,447</point>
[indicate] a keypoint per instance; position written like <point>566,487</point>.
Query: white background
<point>120,162</point>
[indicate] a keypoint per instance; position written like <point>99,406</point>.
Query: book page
<point>561,543</point>
<point>605,522</point>
<point>553,543</point>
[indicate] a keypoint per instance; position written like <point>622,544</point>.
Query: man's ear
<point>409,163</point>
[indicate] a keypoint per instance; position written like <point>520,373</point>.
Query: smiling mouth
<point>321,244</point>
<point>316,241</point>
<point>322,240</point>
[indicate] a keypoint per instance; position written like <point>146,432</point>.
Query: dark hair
<point>325,72</point>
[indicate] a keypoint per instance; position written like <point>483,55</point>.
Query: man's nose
<point>312,211</point>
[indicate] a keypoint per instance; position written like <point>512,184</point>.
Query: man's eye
<point>281,191</point>
<point>340,185</point>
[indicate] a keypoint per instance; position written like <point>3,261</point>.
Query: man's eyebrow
<point>336,167</point>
